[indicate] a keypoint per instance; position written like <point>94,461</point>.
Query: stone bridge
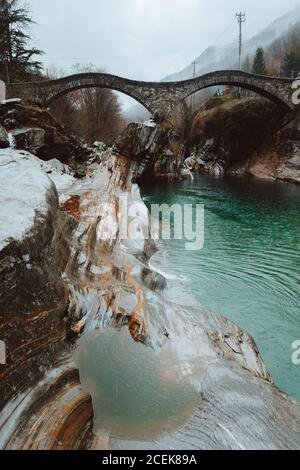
<point>158,97</point>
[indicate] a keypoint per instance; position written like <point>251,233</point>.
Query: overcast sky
<point>143,39</point>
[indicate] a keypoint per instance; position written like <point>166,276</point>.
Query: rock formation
<point>66,269</point>
<point>251,137</point>
<point>34,304</point>
<point>4,139</point>
<point>155,149</point>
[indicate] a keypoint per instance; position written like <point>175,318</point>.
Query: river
<point>249,268</point>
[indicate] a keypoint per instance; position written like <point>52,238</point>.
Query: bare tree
<point>282,50</point>
<point>92,113</point>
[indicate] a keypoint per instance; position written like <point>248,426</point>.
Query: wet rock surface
<point>155,148</point>
<point>4,139</point>
<point>67,271</point>
<point>290,169</point>
<point>34,238</point>
<point>32,138</point>
<point>36,131</point>
<point>29,219</point>
<point>54,413</point>
<point>33,297</point>
<point>247,138</point>
<point>117,286</point>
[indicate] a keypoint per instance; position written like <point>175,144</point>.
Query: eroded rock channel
<point>91,330</point>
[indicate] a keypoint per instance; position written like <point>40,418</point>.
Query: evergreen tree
<point>259,64</point>
<point>291,65</point>
<point>247,67</point>
<point>17,57</point>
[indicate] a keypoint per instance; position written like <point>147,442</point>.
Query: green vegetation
<point>239,127</point>
<point>259,64</point>
<point>17,56</point>
<point>291,64</point>
<point>281,57</point>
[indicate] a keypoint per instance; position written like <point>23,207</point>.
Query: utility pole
<point>194,76</point>
<point>241,18</point>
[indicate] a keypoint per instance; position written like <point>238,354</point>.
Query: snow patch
<point>11,140</point>
<point>24,191</point>
<point>11,101</point>
<point>149,123</point>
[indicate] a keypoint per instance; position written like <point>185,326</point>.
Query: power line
<point>124,56</point>
<point>133,56</point>
<point>194,63</point>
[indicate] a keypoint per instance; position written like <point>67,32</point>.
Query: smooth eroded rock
<point>26,194</point>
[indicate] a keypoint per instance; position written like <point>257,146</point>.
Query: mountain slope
<point>222,57</point>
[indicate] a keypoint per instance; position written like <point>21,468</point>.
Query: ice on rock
<point>24,194</point>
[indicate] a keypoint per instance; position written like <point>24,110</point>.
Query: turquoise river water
<point>249,267</point>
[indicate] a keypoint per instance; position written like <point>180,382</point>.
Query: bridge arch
<point>275,89</point>
<point>45,92</point>
<point>159,98</point>
<point>94,80</point>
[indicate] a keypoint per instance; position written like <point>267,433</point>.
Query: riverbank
<point>247,137</point>
<point>101,281</point>
<point>225,136</point>
<point>248,267</point>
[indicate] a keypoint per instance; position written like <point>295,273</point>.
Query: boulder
<point>135,141</point>
<point>29,138</point>
<point>34,241</point>
<point>4,139</point>
<point>190,163</point>
<point>36,131</point>
<point>290,170</point>
<point>28,218</point>
<point>99,146</point>
<point>155,148</point>
<point>295,162</point>
<point>289,174</point>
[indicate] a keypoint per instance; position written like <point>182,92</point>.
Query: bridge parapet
<point>157,97</point>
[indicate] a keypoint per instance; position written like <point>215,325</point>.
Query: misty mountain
<point>222,57</point>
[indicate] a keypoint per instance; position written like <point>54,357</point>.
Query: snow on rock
<point>150,123</point>
<point>11,141</point>
<point>59,173</point>
<point>100,146</point>
<point>29,138</point>
<point>62,175</point>
<point>26,193</point>
<point>33,236</point>
<point>11,101</point>
<point>57,165</point>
